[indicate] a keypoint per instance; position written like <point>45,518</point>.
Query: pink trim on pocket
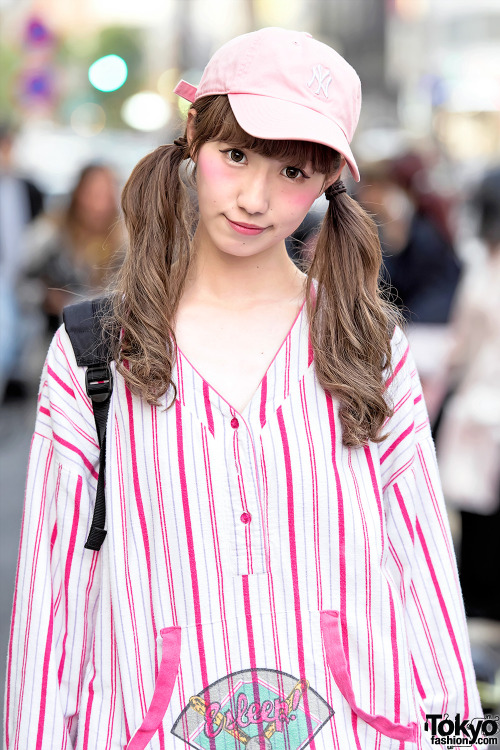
<point>335,656</point>
<point>170,658</point>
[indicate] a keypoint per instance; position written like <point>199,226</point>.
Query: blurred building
<point>444,59</point>
<point>358,30</point>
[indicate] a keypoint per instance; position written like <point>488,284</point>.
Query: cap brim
<point>275,119</point>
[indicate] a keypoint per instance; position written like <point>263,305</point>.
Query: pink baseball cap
<point>285,85</point>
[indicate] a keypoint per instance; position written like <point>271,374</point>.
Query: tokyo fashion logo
<point>255,709</point>
<point>462,732</point>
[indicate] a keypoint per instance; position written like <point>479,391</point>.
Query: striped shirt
<point>261,585</point>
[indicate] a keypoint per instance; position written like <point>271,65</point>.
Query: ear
<point>330,179</point>
<point>190,125</point>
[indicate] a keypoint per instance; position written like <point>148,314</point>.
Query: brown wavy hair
<point>350,322</point>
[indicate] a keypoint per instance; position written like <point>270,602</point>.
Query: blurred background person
<point>73,252</point>
<point>469,435</point>
<point>420,263</point>
<point>20,202</point>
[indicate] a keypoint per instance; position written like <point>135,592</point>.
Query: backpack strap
<point>92,350</point>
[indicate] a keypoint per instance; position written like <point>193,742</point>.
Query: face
<point>250,203</point>
<point>96,204</point>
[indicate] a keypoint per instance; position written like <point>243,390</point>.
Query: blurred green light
<point>108,73</point>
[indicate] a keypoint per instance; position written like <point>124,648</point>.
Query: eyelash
<point>301,174</point>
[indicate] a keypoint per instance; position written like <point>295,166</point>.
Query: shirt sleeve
<point>420,556</point>
<point>57,581</point>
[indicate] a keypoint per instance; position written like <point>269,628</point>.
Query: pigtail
<point>350,323</point>
<point>151,279</point>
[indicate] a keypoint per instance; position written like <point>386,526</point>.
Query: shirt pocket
<point>167,675</point>
<point>337,663</point>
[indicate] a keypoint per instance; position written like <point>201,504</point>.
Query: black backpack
<point>92,350</point>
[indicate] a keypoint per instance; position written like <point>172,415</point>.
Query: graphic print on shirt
<point>255,709</point>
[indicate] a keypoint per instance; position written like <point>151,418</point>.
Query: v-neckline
<point>208,387</point>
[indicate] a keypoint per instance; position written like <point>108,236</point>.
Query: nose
<point>253,192</point>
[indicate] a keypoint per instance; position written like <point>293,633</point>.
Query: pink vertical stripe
<point>67,572</point>
<point>341,551</point>
<point>270,580</point>
<point>90,701</point>
<point>251,651</point>
<point>208,407</point>
<point>398,440</point>
<point>113,657</point>
<point>140,512</point>
<point>430,646</point>
<point>60,382</point>
<point>192,556</point>
<point>66,444</point>
<point>418,682</point>
<point>398,367</point>
<point>376,492</point>
<point>404,512</point>
<point>293,543</point>
<point>368,587</point>
<point>165,539</point>
<point>310,351</point>
<point>316,523</point>
<point>395,661</point>
<point>84,399</point>
<point>263,401</point>
<point>445,614</point>
<point>190,542</point>
<point>314,477</point>
<point>243,500</point>
<point>293,564</point>
<point>45,673</point>
<point>437,510</point>
<point>218,560</point>
<point>88,590</point>
<point>340,511</point>
<point>248,619</point>
<point>128,580</point>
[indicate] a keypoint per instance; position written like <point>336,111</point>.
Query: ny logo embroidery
<point>323,78</point>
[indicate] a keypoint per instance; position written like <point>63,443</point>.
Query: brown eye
<point>293,173</point>
<point>236,155</point>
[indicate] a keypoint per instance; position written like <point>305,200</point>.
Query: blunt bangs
<point>215,121</point>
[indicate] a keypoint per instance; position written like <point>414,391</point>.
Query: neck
<point>236,281</point>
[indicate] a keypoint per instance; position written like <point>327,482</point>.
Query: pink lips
<point>245,228</point>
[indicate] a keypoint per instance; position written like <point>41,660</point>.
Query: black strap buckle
<point>99,382</point>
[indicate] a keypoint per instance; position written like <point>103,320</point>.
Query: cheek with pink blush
<point>209,166</point>
<point>303,199</point>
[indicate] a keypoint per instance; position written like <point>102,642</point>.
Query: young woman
<point>74,253</point>
<point>278,570</point>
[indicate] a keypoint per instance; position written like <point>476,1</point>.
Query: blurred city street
<point>16,426</point>
<point>17,419</point>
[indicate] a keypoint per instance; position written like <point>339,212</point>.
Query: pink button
<point>234,423</point>
<point>245,518</point>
